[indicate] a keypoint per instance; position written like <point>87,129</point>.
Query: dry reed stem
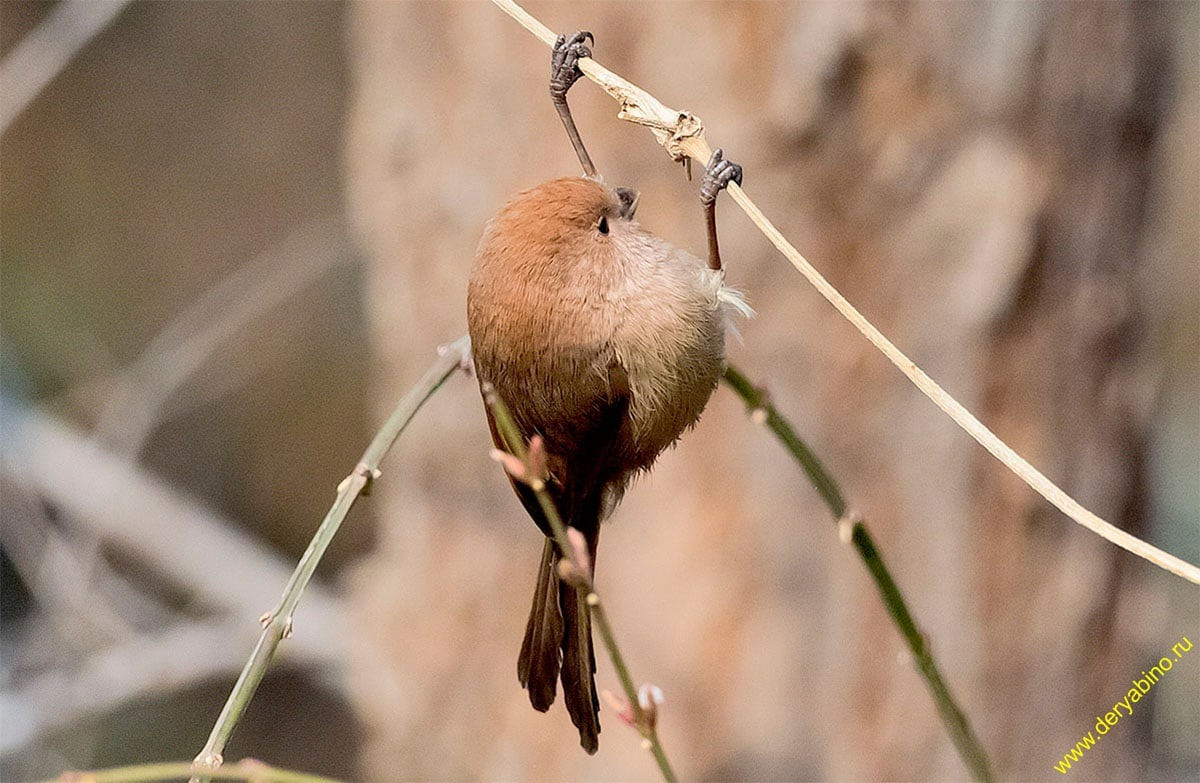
<point>682,134</point>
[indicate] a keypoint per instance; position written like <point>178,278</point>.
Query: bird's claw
<point>564,62</point>
<point>717,176</point>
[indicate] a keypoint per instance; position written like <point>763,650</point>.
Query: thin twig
<point>62,580</point>
<point>246,770</point>
<point>278,625</point>
<point>141,667</point>
<point>682,134</point>
<point>643,721</point>
<point>164,531</point>
<point>44,53</point>
<point>139,397</point>
<point>969,748</point>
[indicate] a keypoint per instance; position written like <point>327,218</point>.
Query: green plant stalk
<point>278,625</point>
<point>969,748</point>
<point>956,723</point>
<point>516,446</point>
<point>245,770</point>
<point>647,728</point>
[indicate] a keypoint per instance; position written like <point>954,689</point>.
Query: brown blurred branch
<point>682,134</point>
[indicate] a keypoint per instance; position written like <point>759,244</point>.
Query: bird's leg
<point>564,70</point>
<point>717,176</point>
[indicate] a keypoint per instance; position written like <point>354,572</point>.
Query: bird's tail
<point>538,664</point>
<point>559,633</point>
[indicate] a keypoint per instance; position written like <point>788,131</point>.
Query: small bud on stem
<point>649,697</point>
<point>512,466</point>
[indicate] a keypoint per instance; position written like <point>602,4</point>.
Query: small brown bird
<point>607,342</point>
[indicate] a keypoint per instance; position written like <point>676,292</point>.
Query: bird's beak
<point>629,201</point>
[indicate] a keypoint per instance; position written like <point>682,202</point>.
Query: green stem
<point>969,748</point>
<point>517,447</point>
<point>953,718</point>
<point>278,625</point>
<point>757,400</point>
<point>249,771</point>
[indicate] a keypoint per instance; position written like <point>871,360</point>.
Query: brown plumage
<point>606,341</point>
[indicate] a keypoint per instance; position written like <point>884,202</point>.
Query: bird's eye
<point>603,224</point>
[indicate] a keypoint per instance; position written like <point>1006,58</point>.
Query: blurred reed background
<point>233,233</point>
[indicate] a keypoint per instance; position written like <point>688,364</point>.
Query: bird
<point>607,342</point>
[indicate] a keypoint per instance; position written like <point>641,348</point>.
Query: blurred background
<point>233,234</point>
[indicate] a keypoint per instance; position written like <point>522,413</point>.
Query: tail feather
<point>538,664</point>
<point>558,639</point>
<point>579,667</point>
